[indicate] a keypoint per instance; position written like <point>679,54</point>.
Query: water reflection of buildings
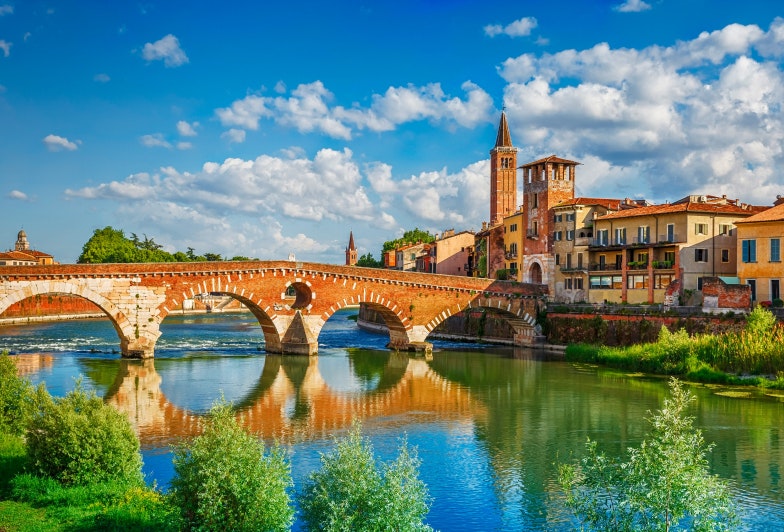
<point>292,400</point>
<point>31,363</point>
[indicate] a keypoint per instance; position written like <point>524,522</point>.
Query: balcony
<point>510,255</point>
<point>532,233</point>
<point>604,267</point>
<point>600,242</point>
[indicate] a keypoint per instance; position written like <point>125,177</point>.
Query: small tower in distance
<point>21,242</point>
<point>351,251</point>
<point>503,174</point>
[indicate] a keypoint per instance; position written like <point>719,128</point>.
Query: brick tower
<point>546,183</point>
<point>351,251</point>
<point>503,174</point>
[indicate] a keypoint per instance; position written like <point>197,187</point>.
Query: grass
<point>745,358</point>
<point>28,502</point>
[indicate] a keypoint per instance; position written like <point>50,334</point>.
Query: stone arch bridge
<point>291,300</point>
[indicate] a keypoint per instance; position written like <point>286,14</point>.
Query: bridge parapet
<point>291,300</point>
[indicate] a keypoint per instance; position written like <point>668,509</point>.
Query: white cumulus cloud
<point>156,140</point>
<point>632,6</point>
<point>5,46</point>
<point>58,143</point>
<point>166,49</point>
<point>518,28</point>
<point>18,195</point>
<point>187,130</point>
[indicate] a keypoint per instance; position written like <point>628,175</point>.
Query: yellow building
<point>759,254</point>
<point>636,254</point>
<point>514,242</point>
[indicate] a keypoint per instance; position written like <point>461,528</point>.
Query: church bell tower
<point>503,174</point>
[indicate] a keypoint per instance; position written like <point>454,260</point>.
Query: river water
<point>490,424</point>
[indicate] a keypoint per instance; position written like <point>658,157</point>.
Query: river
<point>490,423</point>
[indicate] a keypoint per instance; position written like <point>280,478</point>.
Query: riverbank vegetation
<point>664,485</point>
<point>73,463</point>
<point>752,356</point>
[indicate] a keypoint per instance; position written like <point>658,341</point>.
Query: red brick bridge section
<point>291,300</point>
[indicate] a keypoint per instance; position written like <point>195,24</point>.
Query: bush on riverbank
<point>756,350</point>
<point>225,480</point>
<point>349,492</point>
<point>665,481</point>
<point>16,396</point>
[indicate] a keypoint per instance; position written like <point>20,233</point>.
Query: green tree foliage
<point>760,322</point>
<point>367,261</point>
<point>77,440</point>
<point>109,245</point>
<point>665,484</point>
<point>409,237</point>
<point>349,492</point>
<point>16,396</point>
<point>224,480</point>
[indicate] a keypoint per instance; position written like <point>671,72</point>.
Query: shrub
<point>77,439</point>
<point>760,322</point>
<point>15,398</point>
<point>224,480</point>
<point>350,493</point>
<point>665,481</point>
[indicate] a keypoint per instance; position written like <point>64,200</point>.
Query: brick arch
<point>272,336</point>
<point>392,312</point>
<point>122,325</point>
<point>517,314</point>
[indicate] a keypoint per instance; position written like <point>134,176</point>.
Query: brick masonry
<point>291,300</point>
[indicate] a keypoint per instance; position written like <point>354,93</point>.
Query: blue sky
<point>243,128</point>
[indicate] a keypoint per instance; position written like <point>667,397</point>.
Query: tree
<point>409,237</point>
<point>350,493</point>
<point>224,479</point>
<point>16,396</point>
<point>664,483</point>
<point>78,439</point>
<point>367,261</point>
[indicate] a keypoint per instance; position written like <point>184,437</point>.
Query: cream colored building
<point>450,252</point>
<point>572,235</point>
<point>636,254</point>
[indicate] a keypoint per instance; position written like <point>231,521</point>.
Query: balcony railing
<point>663,239</point>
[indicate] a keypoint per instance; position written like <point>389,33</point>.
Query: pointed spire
<point>351,240</point>
<point>503,139</point>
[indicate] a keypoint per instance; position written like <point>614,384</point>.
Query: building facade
<point>635,254</point>
<point>22,255</point>
<point>759,259</point>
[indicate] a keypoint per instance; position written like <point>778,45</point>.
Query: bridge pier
<point>413,340</point>
<point>137,347</point>
<point>299,338</point>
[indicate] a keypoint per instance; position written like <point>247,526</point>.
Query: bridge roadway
<point>291,300</point>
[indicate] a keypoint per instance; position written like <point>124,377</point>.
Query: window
<point>557,259</point>
<point>642,257</point>
<point>725,255</point>
<point>570,217</point>
<point>620,235</point>
<point>753,284</point>
<point>578,283</point>
<point>569,262</point>
<point>618,262</point>
<point>558,235</point>
<point>513,267</point>
<point>669,256</point>
<point>643,234</point>
<point>725,229</point>
<point>775,289</point>
<point>559,217</point>
<point>602,237</point>
<point>535,228</point>
<point>670,232</point>
<point>749,250</point>
<point>513,248</point>
<point>569,283</point>
<point>662,280</point>
<point>701,255</point>
<point>536,201</point>
<point>775,250</point>
<point>700,229</point>
<point>570,235</point>
<point>602,261</point>
<point>637,281</point>
<point>579,260</point>
<point>512,228</point>
<point>605,281</point>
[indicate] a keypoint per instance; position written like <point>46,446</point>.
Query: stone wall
<point>719,295</point>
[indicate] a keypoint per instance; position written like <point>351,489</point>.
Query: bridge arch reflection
<point>293,401</point>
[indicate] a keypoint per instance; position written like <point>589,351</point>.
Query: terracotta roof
<point>668,208</point>
<point>36,253</point>
<point>609,203</point>
<point>773,214</point>
<point>17,255</point>
<point>550,159</point>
